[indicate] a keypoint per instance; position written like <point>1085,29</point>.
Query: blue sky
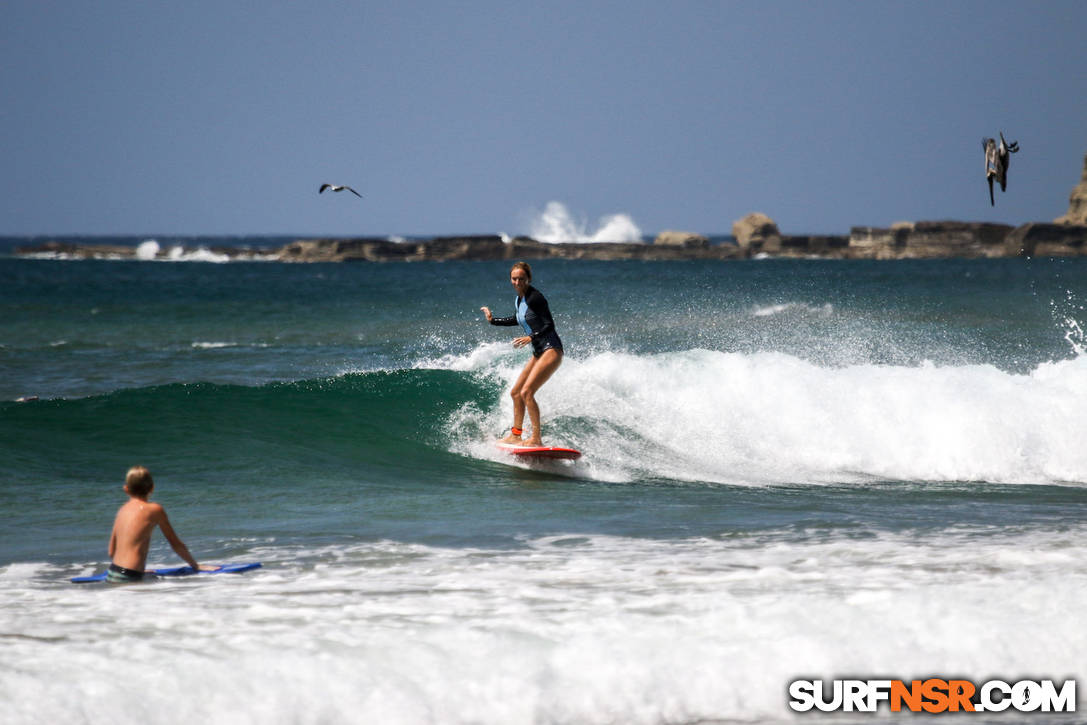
<point>454,118</point>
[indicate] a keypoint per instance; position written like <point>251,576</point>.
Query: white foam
<point>482,357</point>
<point>212,345</point>
<point>201,254</point>
<point>64,256</point>
<point>147,250</point>
<point>555,225</point>
<point>764,418</point>
<point>1075,336</point>
<point>793,307</point>
<point>565,629</point>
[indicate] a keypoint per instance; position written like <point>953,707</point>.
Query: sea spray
<point>147,250</point>
<point>555,225</point>
<point>1067,312</point>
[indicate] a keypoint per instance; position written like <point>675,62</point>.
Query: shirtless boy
<point>131,537</point>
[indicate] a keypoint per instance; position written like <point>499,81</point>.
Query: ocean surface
<point>793,469</point>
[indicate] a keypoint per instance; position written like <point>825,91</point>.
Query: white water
<point>771,310</point>
<point>556,225</point>
<point>771,418</point>
<point>147,250</point>
<point>150,250</point>
<point>564,630</point>
<point>605,629</point>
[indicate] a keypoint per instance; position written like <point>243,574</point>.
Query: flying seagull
<point>334,187</point>
<point>996,162</point>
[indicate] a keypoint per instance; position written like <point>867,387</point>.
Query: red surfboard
<point>569,454</point>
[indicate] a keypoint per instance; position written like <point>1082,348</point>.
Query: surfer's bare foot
<point>533,442</point>
<point>511,439</point>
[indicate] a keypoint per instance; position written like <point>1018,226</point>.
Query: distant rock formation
<point>1077,201</point>
<point>903,240</point>
<point>878,243</point>
<point>492,247</point>
<point>808,245</point>
<point>672,238</point>
<point>383,250</point>
<point>1047,240</point>
<point>929,240</point>
<point>757,233</point>
<point>932,240</point>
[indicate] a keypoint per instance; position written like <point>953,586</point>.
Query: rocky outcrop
<point>342,250</point>
<point>439,249</point>
<point>1077,201</point>
<point>905,240</point>
<point>946,239</point>
<point>689,240</point>
<point>1047,240</point>
<point>812,246</point>
<point>757,233</point>
<point>929,240</point>
<point>877,243</point>
<point>492,248</point>
<point>75,250</point>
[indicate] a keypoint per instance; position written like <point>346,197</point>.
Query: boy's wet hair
<point>139,481</point>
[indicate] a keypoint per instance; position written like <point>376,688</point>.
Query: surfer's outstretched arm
<point>500,321</point>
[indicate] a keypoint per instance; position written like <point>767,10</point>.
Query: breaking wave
<point>556,225</point>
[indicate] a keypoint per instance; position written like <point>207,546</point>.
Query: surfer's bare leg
<point>519,402</point>
<point>538,374</point>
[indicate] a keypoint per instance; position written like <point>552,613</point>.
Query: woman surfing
<point>534,316</point>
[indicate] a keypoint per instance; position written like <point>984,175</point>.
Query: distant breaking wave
<point>150,250</point>
<point>555,225</point>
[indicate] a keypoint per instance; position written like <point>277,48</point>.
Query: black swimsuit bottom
<point>120,573</point>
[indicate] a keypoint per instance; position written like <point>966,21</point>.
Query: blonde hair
<point>139,481</point>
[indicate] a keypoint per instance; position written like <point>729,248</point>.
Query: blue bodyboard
<point>177,571</point>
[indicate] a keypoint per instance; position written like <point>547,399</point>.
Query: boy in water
<point>131,537</point>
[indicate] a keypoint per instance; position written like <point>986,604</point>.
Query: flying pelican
<point>334,187</point>
<point>996,162</point>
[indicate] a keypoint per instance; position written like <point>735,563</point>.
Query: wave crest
<point>770,418</point>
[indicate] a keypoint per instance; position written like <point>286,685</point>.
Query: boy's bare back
<point>131,538</point>
<point>136,520</point>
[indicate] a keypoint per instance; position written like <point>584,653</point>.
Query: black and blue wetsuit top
<point>534,316</point>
